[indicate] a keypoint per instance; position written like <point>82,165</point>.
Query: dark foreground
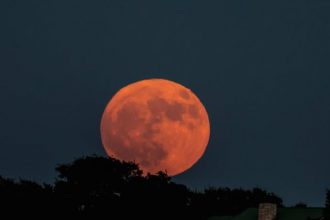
<point>97,187</point>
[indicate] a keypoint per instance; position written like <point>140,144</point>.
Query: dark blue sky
<point>261,69</point>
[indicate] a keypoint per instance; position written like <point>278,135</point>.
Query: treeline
<point>95,187</point>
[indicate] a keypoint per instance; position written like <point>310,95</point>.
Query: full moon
<point>159,124</point>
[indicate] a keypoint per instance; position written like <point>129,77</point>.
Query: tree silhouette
<point>93,186</point>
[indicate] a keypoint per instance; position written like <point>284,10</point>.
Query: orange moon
<point>159,124</point>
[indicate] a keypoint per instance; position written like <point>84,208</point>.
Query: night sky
<point>261,69</point>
